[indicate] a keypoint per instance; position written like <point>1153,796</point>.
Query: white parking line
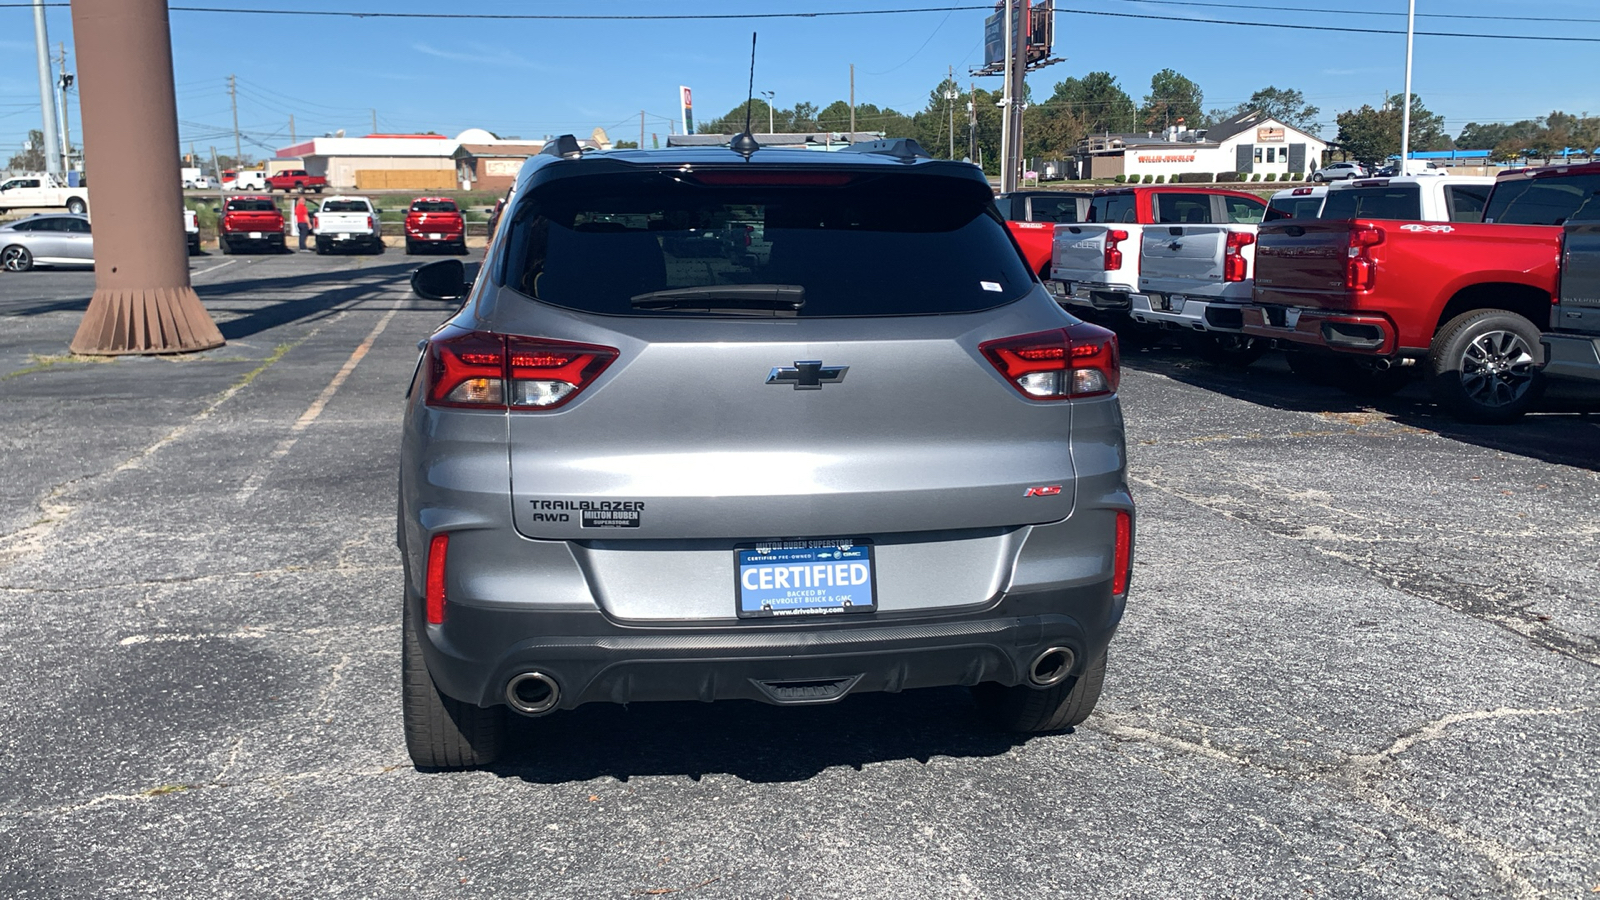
<point>212,269</point>
<point>259,476</point>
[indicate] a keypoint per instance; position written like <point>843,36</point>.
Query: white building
<point>1249,143</point>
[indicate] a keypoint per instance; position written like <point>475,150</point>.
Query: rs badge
<point>1043,490</point>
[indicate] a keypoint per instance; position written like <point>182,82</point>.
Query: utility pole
<point>291,129</point>
<point>238,148</point>
<point>972,121</point>
<point>950,95</point>
<point>641,129</point>
<point>852,101</point>
<point>1008,175</point>
<point>47,92</point>
<point>1405,111</point>
<point>374,121</point>
<point>1015,76</point>
<point>66,127</point>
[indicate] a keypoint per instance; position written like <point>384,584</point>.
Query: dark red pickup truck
<point>1462,304</point>
<point>295,180</point>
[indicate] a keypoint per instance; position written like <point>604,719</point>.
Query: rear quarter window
<point>1544,201</point>
<point>1183,209</point>
<point>1465,202</point>
<point>1244,210</point>
<point>881,245</point>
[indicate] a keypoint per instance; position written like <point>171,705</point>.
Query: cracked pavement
<point>1359,660</point>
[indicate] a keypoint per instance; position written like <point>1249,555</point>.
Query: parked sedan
<point>1339,171</point>
<point>58,239</point>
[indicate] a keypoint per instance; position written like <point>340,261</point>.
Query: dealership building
<point>1251,142</point>
<point>473,159</point>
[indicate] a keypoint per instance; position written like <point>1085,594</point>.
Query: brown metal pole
<point>143,302</point>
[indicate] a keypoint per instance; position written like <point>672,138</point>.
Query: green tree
<point>1586,135</point>
<point>1372,135</point>
<point>1098,100</point>
<point>625,145</point>
<point>1287,105</point>
<point>1172,99</point>
<point>31,157</point>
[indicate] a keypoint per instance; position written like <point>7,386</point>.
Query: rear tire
<point>16,258</point>
<point>1485,366</point>
<point>442,732</point>
<point>224,246</point>
<point>411,248</point>
<point>1034,710</point>
<point>1235,351</point>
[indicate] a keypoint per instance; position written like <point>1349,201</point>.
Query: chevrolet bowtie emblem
<point>807,374</point>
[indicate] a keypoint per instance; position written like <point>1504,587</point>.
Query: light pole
<point>950,96</point>
<point>1405,111</point>
<point>769,95</point>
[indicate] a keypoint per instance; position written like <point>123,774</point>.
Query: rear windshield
<point>434,206</point>
<point>1294,208</point>
<point>358,206</point>
<point>881,245</point>
<point>1390,201</point>
<point>1113,208</point>
<point>1545,201</point>
<point>252,205</point>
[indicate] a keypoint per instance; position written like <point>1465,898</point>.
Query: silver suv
<point>782,427</point>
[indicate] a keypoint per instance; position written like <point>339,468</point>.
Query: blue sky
<point>535,78</point>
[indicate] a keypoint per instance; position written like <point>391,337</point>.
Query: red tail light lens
<point>369,221</point>
<point>476,370</point>
<point>1361,272</point>
<point>1234,266</point>
<point>1113,251</point>
<point>1122,556</point>
<point>1077,361</point>
<point>438,549</point>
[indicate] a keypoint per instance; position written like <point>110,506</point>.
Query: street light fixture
<point>769,95</point>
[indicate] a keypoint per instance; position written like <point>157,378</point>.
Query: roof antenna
<point>745,144</point>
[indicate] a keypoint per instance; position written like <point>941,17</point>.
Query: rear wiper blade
<point>725,296</point>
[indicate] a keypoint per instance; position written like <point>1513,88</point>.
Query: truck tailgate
<point>1187,258</point>
<point>1078,252</point>
<point>344,222</point>
<point>1301,262</point>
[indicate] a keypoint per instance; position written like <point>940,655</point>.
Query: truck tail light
<point>478,370</point>
<point>1122,556</point>
<point>369,222</point>
<point>1113,251</point>
<point>1361,272</point>
<point>1234,266</point>
<point>1077,361</point>
<point>438,549</point>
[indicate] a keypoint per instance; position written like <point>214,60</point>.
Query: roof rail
<point>565,146</point>
<point>904,149</point>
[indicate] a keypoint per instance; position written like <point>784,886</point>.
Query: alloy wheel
<point>1497,368</point>
<point>14,259</point>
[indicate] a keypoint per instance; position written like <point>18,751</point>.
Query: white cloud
<point>480,54</point>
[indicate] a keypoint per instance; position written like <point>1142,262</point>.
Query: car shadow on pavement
<point>1565,430</point>
<point>306,306</point>
<point>752,741</point>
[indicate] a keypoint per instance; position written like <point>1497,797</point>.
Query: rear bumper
<point>348,238</point>
<point>1571,356</point>
<point>1090,294</point>
<point>243,238</point>
<point>427,236</point>
<point>1371,334</point>
<point>1190,314</point>
<point>596,659</point>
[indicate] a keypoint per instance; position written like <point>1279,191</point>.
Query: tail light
<point>1234,266</point>
<point>477,370</point>
<point>369,221</point>
<point>316,223</point>
<point>1077,361</point>
<point>1113,252</point>
<point>1361,272</point>
<point>438,549</point>
<point>1122,556</point>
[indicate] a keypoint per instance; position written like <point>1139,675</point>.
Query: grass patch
<point>42,363</point>
<point>166,789</point>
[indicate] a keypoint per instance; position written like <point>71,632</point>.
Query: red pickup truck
<point>251,222</point>
<point>295,180</point>
<point>435,222</point>
<point>1032,217</point>
<point>1378,302</point>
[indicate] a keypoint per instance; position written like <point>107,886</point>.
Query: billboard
<point>1040,32</point>
<point>686,105</point>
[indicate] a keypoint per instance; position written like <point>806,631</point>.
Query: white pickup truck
<point>41,192</point>
<point>349,223</point>
<point>1200,277</point>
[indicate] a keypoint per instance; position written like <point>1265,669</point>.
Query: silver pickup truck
<point>1572,346</point>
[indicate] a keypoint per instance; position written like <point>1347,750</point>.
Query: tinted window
<point>1113,208</point>
<point>76,226</point>
<point>1466,201</point>
<point>1244,210</point>
<point>593,243</point>
<point>1392,201</point>
<point>251,205</point>
<point>27,225</point>
<point>1294,208</point>
<point>1007,207</point>
<point>434,206</point>
<point>1061,210</point>
<point>355,206</point>
<point>1545,201</point>
<point>1176,209</point>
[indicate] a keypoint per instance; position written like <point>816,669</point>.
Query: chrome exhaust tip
<point>532,693</point>
<point>1051,667</point>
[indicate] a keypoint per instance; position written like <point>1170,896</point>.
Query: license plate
<point>1175,302</point>
<point>344,237</point>
<point>434,235</point>
<point>255,235</point>
<point>804,578</point>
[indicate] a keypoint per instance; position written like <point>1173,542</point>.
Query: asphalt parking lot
<point>1359,660</point>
